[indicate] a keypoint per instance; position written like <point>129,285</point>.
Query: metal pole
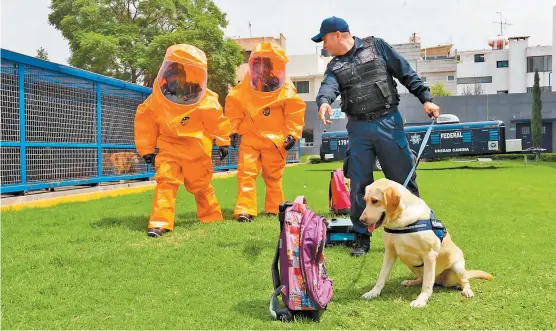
<point>487,106</point>
<point>99,131</point>
<point>22,138</point>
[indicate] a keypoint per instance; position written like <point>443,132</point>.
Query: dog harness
<point>433,224</point>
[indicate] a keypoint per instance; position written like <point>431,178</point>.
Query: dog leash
<point>423,145</point>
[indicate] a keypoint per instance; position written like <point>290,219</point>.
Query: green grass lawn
<point>91,266</point>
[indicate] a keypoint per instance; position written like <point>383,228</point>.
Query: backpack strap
<point>300,204</point>
<point>330,202</point>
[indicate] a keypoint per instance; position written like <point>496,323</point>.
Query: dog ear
<point>391,198</point>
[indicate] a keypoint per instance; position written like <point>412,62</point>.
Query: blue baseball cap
<point>331,24</point>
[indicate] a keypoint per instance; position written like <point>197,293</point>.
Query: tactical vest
<point>365,84</point>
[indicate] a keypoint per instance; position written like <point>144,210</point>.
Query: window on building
<point>302,86</point>
<point>502,92</point>
<point>475,80</point>
<point>458,58</point>
<point>525,130</point>
<point>479,58</point>
<point>540,63</point>
<point>502,64</point>
<point>450,78</point>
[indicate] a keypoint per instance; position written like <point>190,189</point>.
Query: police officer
<point>362,72</point>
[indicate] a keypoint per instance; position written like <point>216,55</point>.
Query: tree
<point>475,89</point>
<point>467,90</point>
<point>440,90</point>
<point>127,39</point>
<point>478,89</point>
<point>42,54</point>
<point>536,116</point>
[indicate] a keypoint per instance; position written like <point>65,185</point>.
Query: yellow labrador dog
<point>432,261</point>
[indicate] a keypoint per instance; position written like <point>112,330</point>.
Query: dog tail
<point>479,274</point>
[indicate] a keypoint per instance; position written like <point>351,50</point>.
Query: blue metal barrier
<point>63,126</point>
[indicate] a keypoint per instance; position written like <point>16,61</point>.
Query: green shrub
<point>314,159</point>
<point>548,157</point>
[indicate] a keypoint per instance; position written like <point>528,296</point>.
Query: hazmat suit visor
<point>266,74</point>
<point>182,84</point>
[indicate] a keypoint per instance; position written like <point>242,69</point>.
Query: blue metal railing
<point>61,126</point>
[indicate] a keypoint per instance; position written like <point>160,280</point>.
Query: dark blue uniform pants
<point>383,138</point>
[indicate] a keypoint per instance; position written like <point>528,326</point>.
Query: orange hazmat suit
<point>266,112</point>
<point>182,117</point>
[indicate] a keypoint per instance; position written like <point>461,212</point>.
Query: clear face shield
<point>182,84</point>
<point>266,75</point>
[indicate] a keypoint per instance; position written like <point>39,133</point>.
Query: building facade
<point>509,68</point>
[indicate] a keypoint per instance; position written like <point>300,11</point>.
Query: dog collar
<point>423,225</point>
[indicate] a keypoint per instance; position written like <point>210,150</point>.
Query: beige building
<point>248,44</point>
<point>434,65</point>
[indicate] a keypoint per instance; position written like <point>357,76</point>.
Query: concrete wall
<point>518,65</point>
<point>504,107</point>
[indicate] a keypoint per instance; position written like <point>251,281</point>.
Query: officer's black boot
<point>362,245</point>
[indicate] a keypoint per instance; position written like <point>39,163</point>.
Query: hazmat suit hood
<point>182,78</point>
<point>267,68</point>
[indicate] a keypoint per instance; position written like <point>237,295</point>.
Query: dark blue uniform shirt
<point>397,66</point>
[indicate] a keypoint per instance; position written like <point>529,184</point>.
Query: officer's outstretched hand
<point>290,141</point>
<point>223,152</point>
<point>325,108</point>
<point>149,158</point>
<point>234,140</point>
<point>431,109</point>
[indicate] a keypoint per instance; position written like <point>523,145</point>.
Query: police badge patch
<point>338,65</point>
<point>266,111</point>
<point>184,120</point>
<point>366,55</point>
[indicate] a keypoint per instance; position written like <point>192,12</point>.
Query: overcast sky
<point>466,23</point>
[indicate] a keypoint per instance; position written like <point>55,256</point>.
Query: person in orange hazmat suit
<point>181,117</point>
<point>268,117</point>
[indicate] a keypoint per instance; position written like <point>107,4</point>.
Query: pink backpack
<point>301,276</point>
<point>338,193</point>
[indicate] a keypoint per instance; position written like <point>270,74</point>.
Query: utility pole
<point>502,24</point>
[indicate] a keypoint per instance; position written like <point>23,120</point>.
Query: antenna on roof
<point>502,23</point>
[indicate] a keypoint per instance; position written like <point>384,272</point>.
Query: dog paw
<point>418,303</point>
<point>371,294</point>
<point>467,293</point>
<point>411,282</point>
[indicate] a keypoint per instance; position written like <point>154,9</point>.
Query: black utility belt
<point>375,115</point>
